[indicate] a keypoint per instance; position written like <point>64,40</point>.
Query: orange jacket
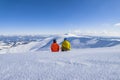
<point>55,47</point>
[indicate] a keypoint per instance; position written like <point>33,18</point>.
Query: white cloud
<point>117,24</point>
<point>96,32</point>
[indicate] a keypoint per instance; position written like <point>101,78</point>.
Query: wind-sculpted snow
<point>14,44</point>
<point>82,64</point>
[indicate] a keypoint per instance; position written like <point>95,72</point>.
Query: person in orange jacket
<point>54,46</point>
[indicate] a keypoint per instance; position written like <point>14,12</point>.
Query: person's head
<point>54,40</point>
<point>65,39</point>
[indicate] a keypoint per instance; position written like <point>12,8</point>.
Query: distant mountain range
<point>43,42</point>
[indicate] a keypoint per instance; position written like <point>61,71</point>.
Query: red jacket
<point>55,47</point>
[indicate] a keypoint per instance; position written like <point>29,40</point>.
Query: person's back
<point>54,46</point>
<point>65,45</point>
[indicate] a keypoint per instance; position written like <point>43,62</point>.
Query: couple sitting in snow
<point>64,47</point>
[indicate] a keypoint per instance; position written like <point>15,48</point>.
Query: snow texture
<point>78,64</point>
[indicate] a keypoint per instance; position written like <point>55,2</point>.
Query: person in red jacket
<point>54,46</point>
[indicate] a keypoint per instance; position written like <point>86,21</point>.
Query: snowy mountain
<point>91,58</point>
<point>42,42</point>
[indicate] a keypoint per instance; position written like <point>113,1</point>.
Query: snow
<point>77,64</point>
<point>3,45</point>
<point>76,42</point>
<point>83,62</point>
<point>32,46</point>
<point>24,44</point>
<point>93,41</point>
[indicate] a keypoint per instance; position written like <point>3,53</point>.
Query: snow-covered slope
<point>78,64</point>
<point>14,44</point>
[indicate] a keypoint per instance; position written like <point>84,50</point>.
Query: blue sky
<point>58,16</point>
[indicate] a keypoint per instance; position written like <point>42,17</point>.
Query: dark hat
<point>54,40</point>
<point>65,38</point>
